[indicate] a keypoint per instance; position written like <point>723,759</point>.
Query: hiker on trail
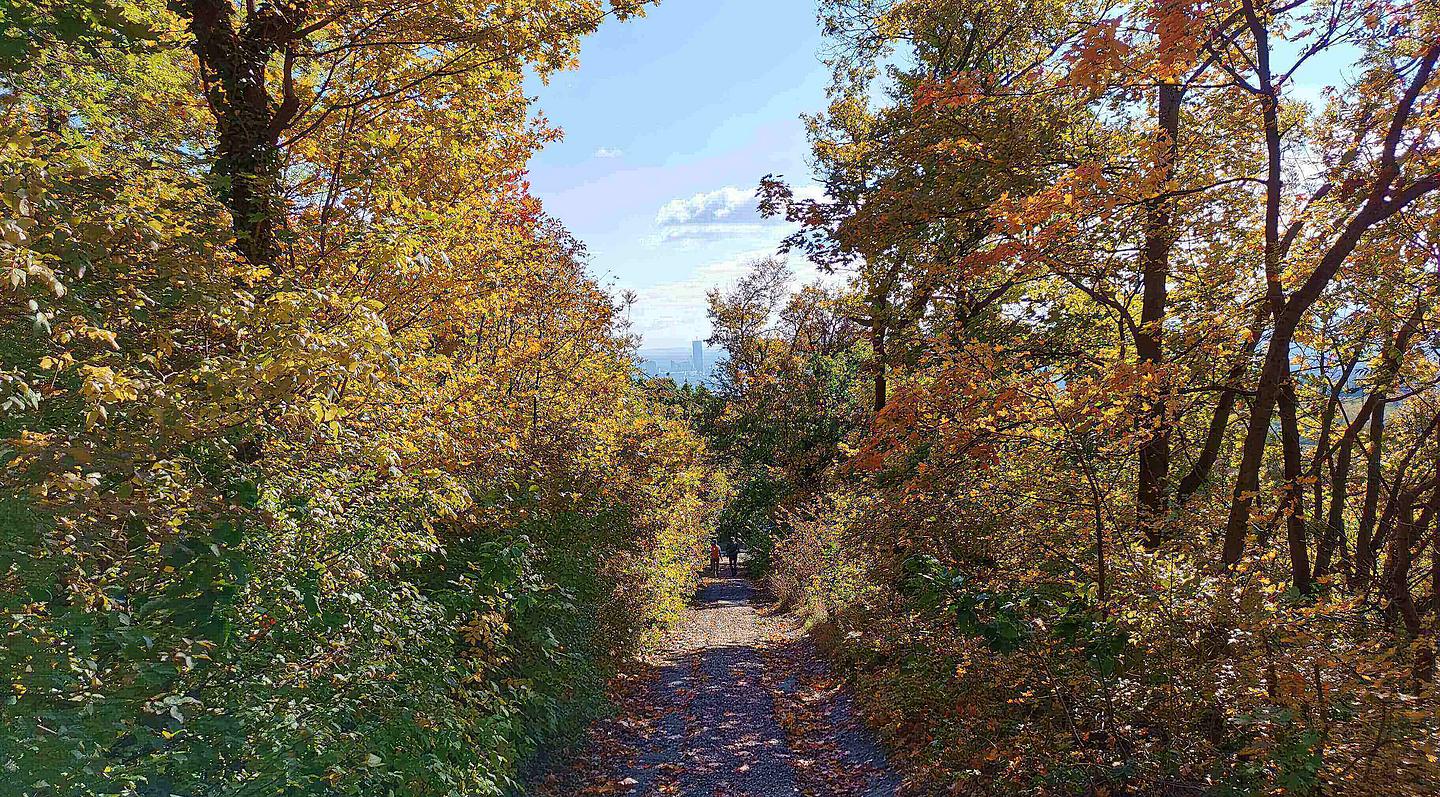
<point>715,557</point>
<point>732,552</point>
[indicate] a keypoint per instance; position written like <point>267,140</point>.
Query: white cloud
<point>729,212</point>
<point>728,204</point>
<point>609,152</point>
<point>714,232</point>
<point>710,215</point>
<point>724,225</point>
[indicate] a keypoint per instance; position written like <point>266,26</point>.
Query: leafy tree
<point>327,472</point>
<point>1132,516</point>
<point>785,402</point>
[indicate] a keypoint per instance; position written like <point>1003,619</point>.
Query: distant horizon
<point>679,363</point>
<point>676,349</point>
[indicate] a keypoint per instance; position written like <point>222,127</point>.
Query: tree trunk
<point>1327,425</point>
<point>1224,408</point>
<point>878,333</point>
<point>1252,453</point>
<point>233,57</point>
<point>1293,506</point>
<point>1154,455</point>
<point>1334,535</point>
<point>1395,586</point>
<point>1365,533</point>
<point>1275,373</point>
<point>1379,206</point>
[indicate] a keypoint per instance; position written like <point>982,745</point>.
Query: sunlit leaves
<point>376,515</point>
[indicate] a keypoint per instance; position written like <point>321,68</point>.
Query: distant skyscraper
<point>698,355</point>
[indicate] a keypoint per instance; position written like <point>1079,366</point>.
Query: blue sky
<point>670,122</point>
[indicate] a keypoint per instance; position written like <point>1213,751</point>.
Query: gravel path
<point>738,705</point>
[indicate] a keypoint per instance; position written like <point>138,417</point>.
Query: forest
<point>1102,458</point>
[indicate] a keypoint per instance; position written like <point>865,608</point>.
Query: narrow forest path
<point>739,704</point>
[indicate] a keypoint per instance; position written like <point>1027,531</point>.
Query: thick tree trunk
<point>1252,453</point>
<point>1395,586</point>
<point>1334,536</point>
<point>233,56</point>
<point>1154,456</point>
<point>1293,507</point>
<point>1275,373</point>
<point>878,332</point>
<point>1365,533</point>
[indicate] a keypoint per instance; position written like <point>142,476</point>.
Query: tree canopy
<point>326,468</point>
<point>1105,455</point>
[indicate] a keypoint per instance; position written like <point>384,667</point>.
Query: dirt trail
<point>738,705</point>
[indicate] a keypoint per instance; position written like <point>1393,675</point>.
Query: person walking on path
<point>732,552</point>
<point>715,558</point>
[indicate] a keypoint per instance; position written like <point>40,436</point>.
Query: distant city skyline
<point>674,362</point>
